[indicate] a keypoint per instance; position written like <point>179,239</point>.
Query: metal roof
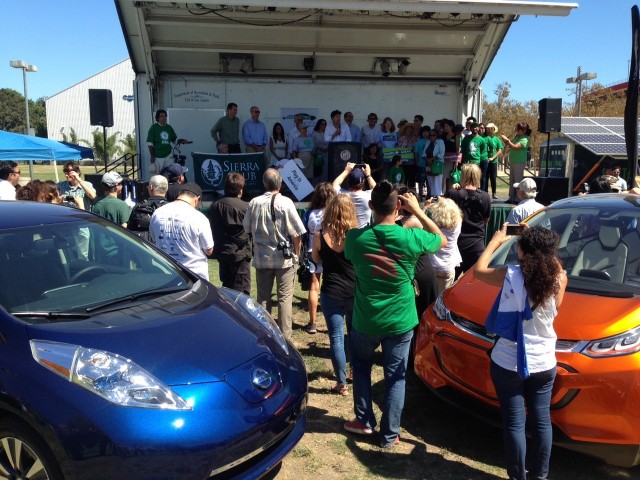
<point>599,135</point>
<point>434,39</point>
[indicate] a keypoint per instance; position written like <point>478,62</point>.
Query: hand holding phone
<point>515,229</point>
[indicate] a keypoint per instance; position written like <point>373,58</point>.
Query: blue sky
<point>70,40</point>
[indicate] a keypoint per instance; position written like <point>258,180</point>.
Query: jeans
<point>492,175</point>
<point>395,354</point>
<point>484,165</point>
<point>517,397</point>
<point>335,312</point>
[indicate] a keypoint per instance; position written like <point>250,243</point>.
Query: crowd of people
<point>374,248</point>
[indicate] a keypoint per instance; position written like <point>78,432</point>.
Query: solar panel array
<point>600,135</point>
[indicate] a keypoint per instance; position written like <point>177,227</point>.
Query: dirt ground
<point>438,441</point>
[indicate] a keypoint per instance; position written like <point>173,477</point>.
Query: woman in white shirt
<point>523,360</point>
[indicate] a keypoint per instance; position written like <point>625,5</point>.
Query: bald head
<point>158,185</point>
<point>272,180</point>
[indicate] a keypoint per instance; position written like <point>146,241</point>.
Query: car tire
<point>36,460</point>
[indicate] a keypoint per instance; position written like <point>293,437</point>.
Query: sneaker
<point>392,444</point>
<point>356,426</point>
<point>494,196</point>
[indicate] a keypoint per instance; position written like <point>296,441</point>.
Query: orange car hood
<point>580,317</point>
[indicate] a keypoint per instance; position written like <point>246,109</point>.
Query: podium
<point>341,153</point>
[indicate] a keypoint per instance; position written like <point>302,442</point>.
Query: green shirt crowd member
<point>494,145</point>
<point>395,174</point>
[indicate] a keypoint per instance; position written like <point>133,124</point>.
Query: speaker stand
<point>546,174</point>
<point>104,144</point>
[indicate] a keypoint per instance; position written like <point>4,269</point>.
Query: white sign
<point>296,181</point>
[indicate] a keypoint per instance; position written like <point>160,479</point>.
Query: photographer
<point>75,186</point>
<point>276,228</point>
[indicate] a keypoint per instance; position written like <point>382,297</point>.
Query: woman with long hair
<point>321,195</point>
<point>518,148</point>
<point>372,157</point>
<point>451,140</point>
<point>338,286</point>
<point>388,135</point>
<point>278,144</point>
<point>322,146</point>
<point>523,360</point>
<point>476,211</point>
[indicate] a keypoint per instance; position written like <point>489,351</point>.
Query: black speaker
<point>341,153</point>
<point>550,115</point>
<point>551,189</point>
<point>101,107</point>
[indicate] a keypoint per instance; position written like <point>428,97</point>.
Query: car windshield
<point>599,248</point>
<point>64,270</point>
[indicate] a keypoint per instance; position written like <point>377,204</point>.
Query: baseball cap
<point>356,177</point>
<point>175,170</point>
<point>111,179</point>
<point>526,185</point>
<point>192,187</point>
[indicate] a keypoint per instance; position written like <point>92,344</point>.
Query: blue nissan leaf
<point>118,363</point>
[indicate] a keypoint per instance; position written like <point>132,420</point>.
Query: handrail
<point>125,160</point>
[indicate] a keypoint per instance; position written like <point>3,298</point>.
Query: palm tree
<point>71,138</point>
<point>97,144</point>
<point>129,142</point>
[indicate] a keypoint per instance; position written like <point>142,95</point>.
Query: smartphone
<point>514,229</point>
<point>359,165</point>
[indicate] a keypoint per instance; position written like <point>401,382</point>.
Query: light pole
<point>578,79</point>
<point>25,68</point>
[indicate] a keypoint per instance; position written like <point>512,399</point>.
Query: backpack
<point>141,217</point>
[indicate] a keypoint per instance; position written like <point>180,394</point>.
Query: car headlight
<point>108,375</point>
<point>624,344</point>
<point>440,309</point>
<point>255,310</point>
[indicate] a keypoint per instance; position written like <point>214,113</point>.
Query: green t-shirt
<point>395,174</point>
<point>493,145</point>
<point>519,155</point>
<point>472,148</point>
<point>384,302</point>
<point>484,153</point>
<point>112,208</point>
<point>161,137</point>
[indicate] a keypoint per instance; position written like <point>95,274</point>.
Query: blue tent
<point>85,152</point>
<point>14,146</point>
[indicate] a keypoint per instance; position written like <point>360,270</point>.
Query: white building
<point>70,108</point>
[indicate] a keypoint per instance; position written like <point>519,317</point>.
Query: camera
<point>68,198</point>
<point>285,246</point>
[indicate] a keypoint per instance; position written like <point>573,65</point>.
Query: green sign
<point>405,152</point>
<point>210,170</point>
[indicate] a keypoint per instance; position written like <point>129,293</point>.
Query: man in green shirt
<point>110,206</point>
<point>227,129</point>
<point>384,257</point>
<point>472,146</point>
<point>159,139</point>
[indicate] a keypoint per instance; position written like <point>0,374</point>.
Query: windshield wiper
<point>52,315</point>
<point>134,297</point>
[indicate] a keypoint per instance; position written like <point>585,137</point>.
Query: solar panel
<point>600,135</point>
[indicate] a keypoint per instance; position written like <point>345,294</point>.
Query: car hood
<point>580,317</point>
<point>195,346</point>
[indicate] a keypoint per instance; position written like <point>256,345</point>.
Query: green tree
<point>97,144</point>
<point>12,114</point>
<point>129,143</point>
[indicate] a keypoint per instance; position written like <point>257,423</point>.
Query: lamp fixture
<point>385,67</point>
<point>403,64</point>
<point>309,63</point>
<point>247,65</point>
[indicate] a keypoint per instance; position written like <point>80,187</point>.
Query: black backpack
<point>141,217</point>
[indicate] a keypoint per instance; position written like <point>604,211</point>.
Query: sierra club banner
<point>405,152</point>
<point>210,170</point>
